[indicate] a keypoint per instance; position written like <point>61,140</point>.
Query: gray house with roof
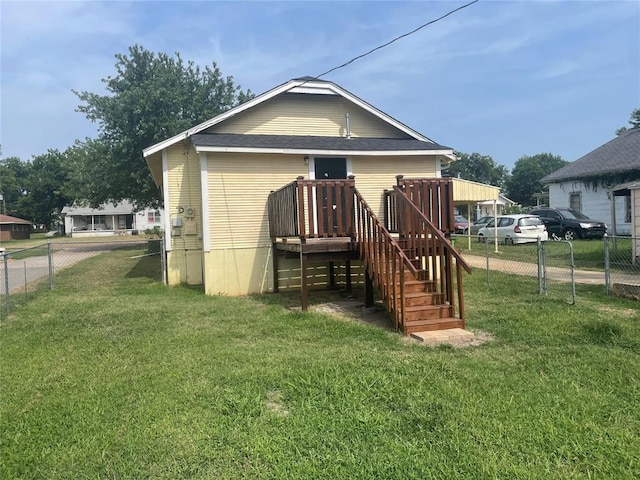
<point>590,184</point>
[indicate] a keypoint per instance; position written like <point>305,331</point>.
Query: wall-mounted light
<point>306,159</point>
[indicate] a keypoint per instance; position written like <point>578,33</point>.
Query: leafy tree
<point>478,168</point>
<point>14,187</point>
<point>634,121</point>
<point>151,98</point>
<point>46,196</point>
<point>32,190</point>
<point>527,173</point>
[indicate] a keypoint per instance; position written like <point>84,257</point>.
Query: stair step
<point>417,286</point>
<point>427,312</point>
<point>433,324</point>
<point>423,298</point>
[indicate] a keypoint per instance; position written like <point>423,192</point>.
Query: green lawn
<point>106,378</point>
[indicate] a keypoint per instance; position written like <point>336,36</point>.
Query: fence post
<point>50,260</point>
<point>163,262</point>
<point>6,282</point>
<point>540,269</point>
<point>573,275</point>
<point>486,243</point>
<point>607,271</point>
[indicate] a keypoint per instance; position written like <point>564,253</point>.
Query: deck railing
<point>312,209</point>
<point>432,196</point>
<point>428,247</point>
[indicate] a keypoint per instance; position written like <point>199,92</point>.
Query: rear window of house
<point>529,222</point>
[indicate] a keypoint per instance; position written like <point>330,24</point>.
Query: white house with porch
<point>109,219</point>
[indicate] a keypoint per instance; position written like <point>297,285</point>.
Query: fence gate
<point>556,270</point>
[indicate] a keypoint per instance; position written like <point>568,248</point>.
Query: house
<point>109,219</point>
<point>271,195</point>
<point>12,228</point>
<point>489,208</point>
<point>586,184</point>
<point>630,191</point>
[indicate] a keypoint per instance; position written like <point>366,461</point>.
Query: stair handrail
<point>384,258</point>
<point>430,242</point>
<point>433,230</point>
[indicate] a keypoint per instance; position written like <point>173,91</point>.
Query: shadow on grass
<point>606,333</point>
<point>148,266</point>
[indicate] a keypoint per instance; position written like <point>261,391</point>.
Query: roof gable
<point>304,86</point>
<point>618,155</point>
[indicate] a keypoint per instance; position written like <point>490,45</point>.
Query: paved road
<point>590,277</point>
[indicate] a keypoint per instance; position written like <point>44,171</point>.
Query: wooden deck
<point>408,258</point>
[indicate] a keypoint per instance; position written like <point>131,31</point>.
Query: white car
<point>515,229</point>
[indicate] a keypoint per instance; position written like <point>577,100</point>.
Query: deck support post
<point>274,252</point>
<point>348,273</point>
<point>303,281</point>
<point>332,275</point>
<point>368,290</point>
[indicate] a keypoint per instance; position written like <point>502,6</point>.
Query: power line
<point>394,40</point>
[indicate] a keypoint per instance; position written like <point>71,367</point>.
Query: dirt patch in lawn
<point>353,309</point>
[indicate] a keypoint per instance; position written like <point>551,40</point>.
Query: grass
<point>114,376</point>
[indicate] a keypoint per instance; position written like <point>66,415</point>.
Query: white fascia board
<point>223,116</point>
<point>206,238</point>
<point>306,151</point>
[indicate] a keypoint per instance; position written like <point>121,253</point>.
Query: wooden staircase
<point>413,271</point>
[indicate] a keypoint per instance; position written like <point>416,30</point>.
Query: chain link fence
<point>27,271</point>
<point>554,267</point>
<point>622,266</point>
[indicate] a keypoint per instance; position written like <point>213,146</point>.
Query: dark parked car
<point>569,224</point>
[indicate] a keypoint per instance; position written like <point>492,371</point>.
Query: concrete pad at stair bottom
<point>452,335</point>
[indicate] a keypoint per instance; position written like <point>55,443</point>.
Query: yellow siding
<point>184,191</point>
<point>184,267</point>
<point>375,174</point>
<point>318,115</point>
<point>184,261</point>
<point>239,186</point>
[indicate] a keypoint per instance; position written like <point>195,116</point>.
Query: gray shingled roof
<point>619,155</point>
<point>122,208</point>
<point>301,142</point>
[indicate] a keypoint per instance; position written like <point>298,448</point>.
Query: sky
<point>501,78</point>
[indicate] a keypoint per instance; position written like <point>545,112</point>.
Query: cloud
<point>480,71</point>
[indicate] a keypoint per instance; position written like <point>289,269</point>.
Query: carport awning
<point>466,191</point>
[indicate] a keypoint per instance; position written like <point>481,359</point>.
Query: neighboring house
<point>489,208</point>
<point>631,190</point>
<point>586,184</point>
<point>109,219</point>
<point>12,228</point>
